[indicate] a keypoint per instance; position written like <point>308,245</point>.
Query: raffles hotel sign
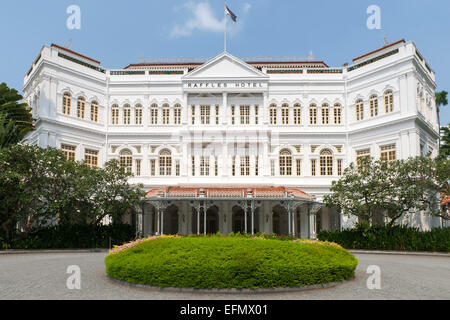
<point>226,85</point>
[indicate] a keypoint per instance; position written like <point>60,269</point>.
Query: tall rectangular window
<point>165,115</point>
<point>273,114</point>
<point>127,115</point>
<point>359,108</point>
<point>245,166</point>
<point>67,103</point>
<point>205,114</point>
<point>388,152</point>
<point>339,167</point>
<point>272,167</point>
<point>256,114</point>
<point>91,158</point>
<point>81,107</point>
<point>297,114</point>
<point>285,114</point>
<point>245,114</point>
<point>138,115</point>
<point>193,114</point>
<point>313,167</point>
<point>68,151</point>
<point>313,115</point>
<point>299,167</point>
<point>204,166</point>
<point>177,169</point>
<point>325,114</point>
<point>373,102</point>
<point>94,111</point>
<point>256,165</point>
<point>153,167</point>
<point>154,114</point>
<point>337,114</point>
<point>217,114</point>
<point>138,167</point>
<point>193,165</point>
<point>177,114</point>
<point>115,115</point>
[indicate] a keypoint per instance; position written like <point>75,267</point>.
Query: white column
<point>224,109</point>
<point>185,110</point>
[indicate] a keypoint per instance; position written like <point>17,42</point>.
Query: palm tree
<point>15,117</point>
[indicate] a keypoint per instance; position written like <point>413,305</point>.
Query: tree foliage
<point>393,189</point>
<point>38,187</point>
<point>15,117</point>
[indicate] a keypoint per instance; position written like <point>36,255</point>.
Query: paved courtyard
<point>43,276</point>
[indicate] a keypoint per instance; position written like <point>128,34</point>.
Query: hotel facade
<point>227,145</point>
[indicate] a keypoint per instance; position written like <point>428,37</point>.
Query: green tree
<point>359,191</point>
<point>441,100</point>
<point>444,150</point>
<point>15,117</point>
<point>39,187</point>
<point>394,189</point>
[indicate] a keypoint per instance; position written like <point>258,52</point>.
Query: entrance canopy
<point>259,208</point>
<point>233,193</point>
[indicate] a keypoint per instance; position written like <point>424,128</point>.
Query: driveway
<point>44,276</point>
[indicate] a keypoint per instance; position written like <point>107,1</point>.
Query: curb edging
<point>400,253</point>
<point>7,252</point>
<point>226,291</point>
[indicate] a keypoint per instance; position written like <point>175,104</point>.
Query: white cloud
<point>201,18</point>
<point>247,6</point>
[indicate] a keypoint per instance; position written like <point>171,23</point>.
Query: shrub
<point>75,237</point>
<point>396,237</point>
<point>230,262</point>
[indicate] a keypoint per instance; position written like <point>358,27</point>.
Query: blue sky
<point>122,32</point>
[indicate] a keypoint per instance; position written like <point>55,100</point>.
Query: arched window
<point>177,114</point>
<point>297,114</point>
<point>373,102</point>
<point>81,107</point>
<point>126,160</point>
<point>273,114</point>
<point>326,163</point>
<point>115,114</point>
<point>67,103</point>
<point>285,114</point>
<point>325,113</point>
<point>337,113</point>
<point>313,114</point>
<point>127,114</point>
<point>154,114</point>
<point>94,111</point>
<point>165,163</point>
<point>285,163</point>
<point>388,101</point>
<point>138,114</point>
<point>359,109</point>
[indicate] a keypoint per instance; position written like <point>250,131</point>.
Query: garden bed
<point>225,262</point>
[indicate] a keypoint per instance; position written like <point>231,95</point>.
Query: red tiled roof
<point>445,200</point>
<point>167,64</point>
<point>73,52</point>
<point>382,48</point>
<point>232,192</point>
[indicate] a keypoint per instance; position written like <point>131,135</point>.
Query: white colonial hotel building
<point>254,145</point>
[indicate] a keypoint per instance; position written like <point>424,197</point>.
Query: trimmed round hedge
<point>231,262</point>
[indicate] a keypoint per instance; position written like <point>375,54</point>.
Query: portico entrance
<point>271,210</point>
